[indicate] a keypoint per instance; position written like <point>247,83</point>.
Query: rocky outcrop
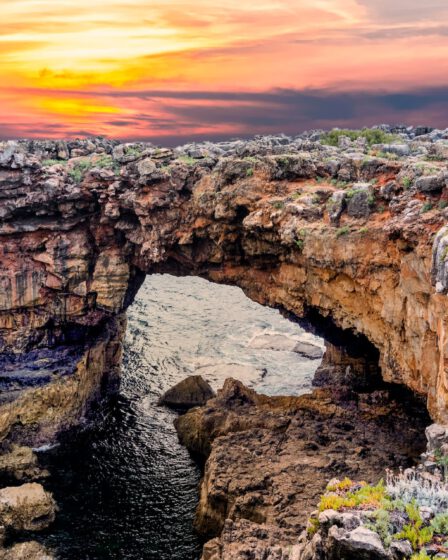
<point>270,458</point>
<point>349,232</point>
<point>192,391</point>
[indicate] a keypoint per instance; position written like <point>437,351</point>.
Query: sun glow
<point>90,63</point>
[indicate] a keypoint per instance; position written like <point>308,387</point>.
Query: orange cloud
<point>58,57</point>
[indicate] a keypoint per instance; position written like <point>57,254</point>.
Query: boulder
<point>439,271</point>
<point>26,551</point>
<point>21,464</point>
<point>26,508</point>
<point>360,200</point>
<point>192,391</point>
<point>336,206</point>
<point>359,544</point>
<point>431,183</point>
<point>308,350</point>
<point>400,550</point>
<point>437,435</point>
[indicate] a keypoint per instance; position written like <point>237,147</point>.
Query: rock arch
<point>79,234</point>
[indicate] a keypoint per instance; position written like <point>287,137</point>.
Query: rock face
<point>192,391</point>
<point>348,232</point>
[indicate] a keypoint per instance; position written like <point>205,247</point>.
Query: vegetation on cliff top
<point>372,136</point>
<point>411,506</point>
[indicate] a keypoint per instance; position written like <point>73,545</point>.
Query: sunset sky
<point>168,71</point>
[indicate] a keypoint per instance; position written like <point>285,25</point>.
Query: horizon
<point>171,72</point>
<point>179,141</point>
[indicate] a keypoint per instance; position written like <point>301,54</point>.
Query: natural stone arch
<point>74,253</point>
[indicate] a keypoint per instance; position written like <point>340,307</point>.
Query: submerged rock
<point>308,350</point>
<point>26,508</point>
<point>273,341</point>
<point>192,391</point>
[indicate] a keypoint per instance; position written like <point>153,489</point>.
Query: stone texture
<point>20,463</point>
<point>190,392</point>
<point>26,551</point>
<point>26,508</point>
<point>308,350</point>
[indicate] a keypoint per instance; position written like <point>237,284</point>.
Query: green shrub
<point>313,526</point>
<point>187,159</point>
<point>345,484</point>
<point>278,204</point>
<point>373,497</point>
<point>376,136</point>
<point>75,174</point>
<point>427,207</point>
<point>104,162</point>
<point>342,231</point>
<point>386,155</point>
<point>133,151</point>
<point>422,555</point>
<point>380,523</point>
<point>443,204</point>
<point>406,182</point>
<point>78,170</point>
<point>300,241</point>
<point>250,172</point>
<point>440,524</point>
<point>414,531</point>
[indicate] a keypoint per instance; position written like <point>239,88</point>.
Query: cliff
<point>354,232</point>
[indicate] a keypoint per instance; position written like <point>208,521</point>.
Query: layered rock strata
<point>355,232</point>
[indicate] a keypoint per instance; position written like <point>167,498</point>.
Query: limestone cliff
<point>355,233</point>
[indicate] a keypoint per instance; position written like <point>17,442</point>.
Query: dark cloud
<point>377,34</point>
<point>171,117</point>
<point>407,10</point>
<point>292,110</point>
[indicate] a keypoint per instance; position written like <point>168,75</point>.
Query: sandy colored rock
<point>27,551</point>
<point>21,463</point>
<point>26,508</point>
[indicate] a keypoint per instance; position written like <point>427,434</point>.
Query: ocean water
<point>126,488</point>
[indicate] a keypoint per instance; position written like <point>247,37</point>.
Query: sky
<point>170,71</point>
